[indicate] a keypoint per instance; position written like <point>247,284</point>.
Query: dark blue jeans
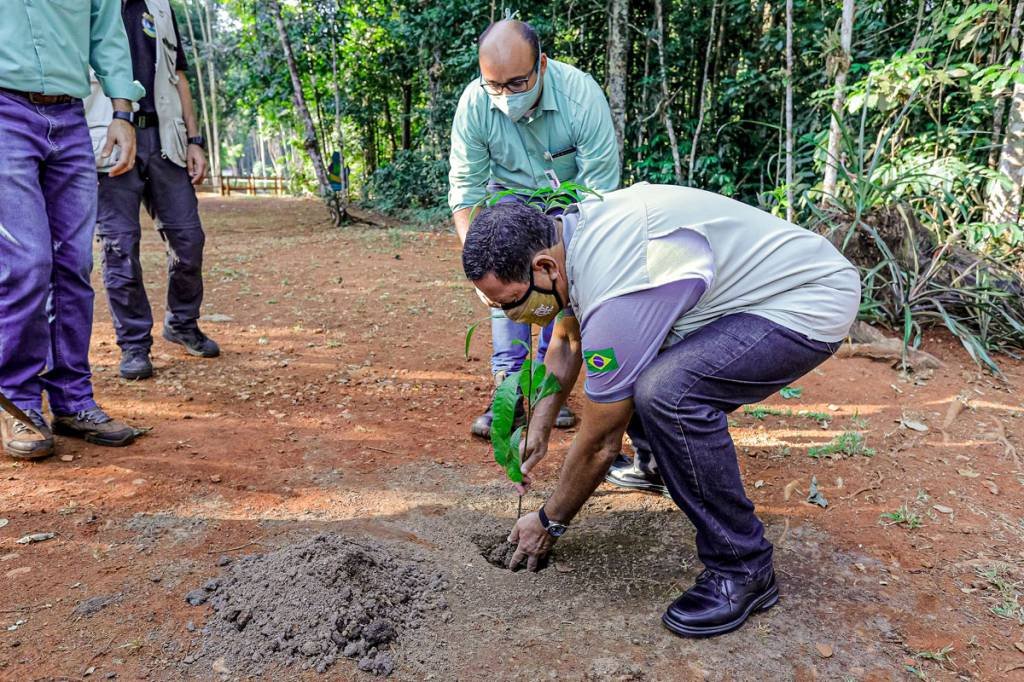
<point>681,405</point>
<point>166,191</point>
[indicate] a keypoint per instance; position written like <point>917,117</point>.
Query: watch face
<point>556,530</point>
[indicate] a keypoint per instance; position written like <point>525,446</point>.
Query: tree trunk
<point>434,125</point>
<point>618,16</point>
<point>215,159</point>
<point>390,125</point>
<point>789,110</point>
<point>1004,202</point>
<point>309,139</point>
<point>704,90</point>
<point>835,131</point>
<point>339,133</point>
<point>259,141</point>
<point>666,109</point>
<point>407,115</point>
<point>1000,105</point>
<point>200,83</point>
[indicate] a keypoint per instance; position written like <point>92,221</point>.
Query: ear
<point>544,263</point>
<point>543,63</point>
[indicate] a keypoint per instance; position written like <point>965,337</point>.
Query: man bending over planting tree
<point>526,122</point>
<point>684,305</point>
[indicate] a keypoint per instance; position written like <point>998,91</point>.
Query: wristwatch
<point>553,528</point>
<point>198,140</point>
<point>124,116</point>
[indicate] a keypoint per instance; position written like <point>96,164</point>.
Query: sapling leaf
<point>504,409</point>
<point>469,335</point>
<point>512,466</point>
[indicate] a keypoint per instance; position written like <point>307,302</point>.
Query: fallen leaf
<point>860,567</point>
<point>942,509</point>
<point>992,487</point>
<point>67,458</point>
<point>3,522</point>
<point>824,650</point>
<point>89,671</point>
<point>833,408</point>
<point>968,473</point>
<point>913,425</point>
<point>215,478</point>
<point>758,483</point>
<point>1019,646</point>
<point>791,392</point>
<point>35,537</point>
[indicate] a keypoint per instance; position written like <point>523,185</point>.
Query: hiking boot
<point>135,364</point>
<point>195,342</point>
<point>565,419</point>
<point>22,442</point>
<point>94,426</point>
<point>482,425</point>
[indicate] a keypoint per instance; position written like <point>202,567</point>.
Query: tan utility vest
<point>99,111</point>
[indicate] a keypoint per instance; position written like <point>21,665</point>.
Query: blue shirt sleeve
<point>624,334</point>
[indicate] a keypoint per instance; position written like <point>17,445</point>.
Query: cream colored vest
<point>173,135</point>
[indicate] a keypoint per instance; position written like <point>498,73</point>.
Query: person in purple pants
<point>48,212</point>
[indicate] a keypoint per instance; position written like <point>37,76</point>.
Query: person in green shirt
<point>48,211</point>
<point>526,122</point>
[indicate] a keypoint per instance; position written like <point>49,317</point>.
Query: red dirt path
<point>342,402</point>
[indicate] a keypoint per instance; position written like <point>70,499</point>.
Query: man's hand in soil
<point>533,542</point>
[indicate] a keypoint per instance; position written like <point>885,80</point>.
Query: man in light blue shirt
<point>526,122</point>
<point>48,211</point>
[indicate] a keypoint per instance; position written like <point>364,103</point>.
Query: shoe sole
<point>565,423</point>
<point>136,375</point>
<point>480,433</point>
<point>196,353</point>
<point>762,603</point>
<point>639,487</point>
<point>93,438</point>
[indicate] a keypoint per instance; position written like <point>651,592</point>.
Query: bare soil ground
<point>341,405</point>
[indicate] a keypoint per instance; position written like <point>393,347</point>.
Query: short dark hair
<point>503,239</point>
<point>528,33</point>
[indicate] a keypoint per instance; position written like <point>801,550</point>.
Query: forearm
<point>461,218</point>
<point>564,360</point>
<point>121,104</point>
<point>188,110</point>
<point>585,467</point>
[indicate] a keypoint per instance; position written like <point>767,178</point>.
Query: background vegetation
<point>900,130</point>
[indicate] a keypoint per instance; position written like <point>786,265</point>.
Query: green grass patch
<point>846,444</point>
<point>902,517</point>
<point>759,412</point>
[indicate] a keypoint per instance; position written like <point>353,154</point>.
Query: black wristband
<point>198,141</point>
<point>124,116</point>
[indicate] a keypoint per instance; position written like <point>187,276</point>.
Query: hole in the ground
<point>497,552</point>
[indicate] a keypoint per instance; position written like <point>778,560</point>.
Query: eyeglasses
<point>513,87</point>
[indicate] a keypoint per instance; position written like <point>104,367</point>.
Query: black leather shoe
<point>195,342</point>
<point>624,473</point>
<point>135,364</point>
<point>716,605</point>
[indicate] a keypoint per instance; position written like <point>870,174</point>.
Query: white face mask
<point>517,105</point>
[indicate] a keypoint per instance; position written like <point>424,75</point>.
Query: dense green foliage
<point>923,123</point>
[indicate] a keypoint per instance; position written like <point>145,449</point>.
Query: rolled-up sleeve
<point>597,154</point>
<point>469,159</point>
<point>109,54</point>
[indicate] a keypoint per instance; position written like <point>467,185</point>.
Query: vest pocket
<point>180,137</point>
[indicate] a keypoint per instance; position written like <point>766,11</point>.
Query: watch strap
<point>198,140</point>
<point>124,116</point>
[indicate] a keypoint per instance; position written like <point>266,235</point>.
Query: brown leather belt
<point>40,98</point>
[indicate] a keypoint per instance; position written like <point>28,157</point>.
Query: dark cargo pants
<point>166,191</point>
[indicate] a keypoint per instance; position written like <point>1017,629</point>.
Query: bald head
<point>508,48</point>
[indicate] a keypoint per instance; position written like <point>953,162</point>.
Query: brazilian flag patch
<point>599,361</point>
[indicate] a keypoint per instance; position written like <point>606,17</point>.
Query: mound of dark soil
<point>314,603</point>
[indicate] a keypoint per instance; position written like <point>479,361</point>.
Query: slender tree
<point>200,81</point>
<point>618,15</point>
<point>309,141</point>
<point>705,91</point>
<point>839,65</point>
<point>665,105</point>
<point>789,111</point>
<point>999,106</point>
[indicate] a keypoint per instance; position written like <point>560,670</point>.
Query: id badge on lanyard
<point>552,178</point>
